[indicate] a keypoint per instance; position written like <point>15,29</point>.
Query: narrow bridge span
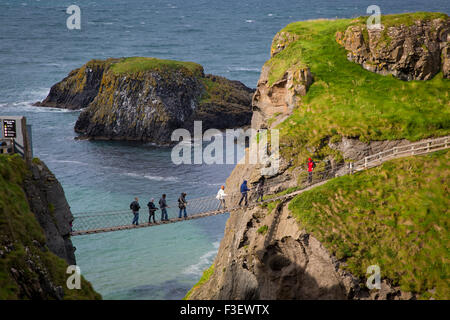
<point>99,222</point>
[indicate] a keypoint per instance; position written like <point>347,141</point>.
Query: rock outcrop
<point>409,52</point>
<point>276,100</point>
<point>145,99</point>
<point>48,202</point>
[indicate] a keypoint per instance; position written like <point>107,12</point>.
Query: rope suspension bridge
<point>99,222</point>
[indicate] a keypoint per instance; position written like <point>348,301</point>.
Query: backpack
<point>181,203</point>
<point>134,206</point>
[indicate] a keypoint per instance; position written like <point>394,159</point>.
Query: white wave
<point>243,69</point>
<point>249,21</point>
<point>204,261</point>
<point>69,161</point>
<point>158,178</point>
<point>150,177</point>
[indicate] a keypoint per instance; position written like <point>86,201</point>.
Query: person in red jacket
<point>311,166</point>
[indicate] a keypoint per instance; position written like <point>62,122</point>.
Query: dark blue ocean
<point>229,38</point>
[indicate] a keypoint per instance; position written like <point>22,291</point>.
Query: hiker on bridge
<point>151,210</point>
<point>134,206</point>
<point>182,203</point>
<point>244,192</point>
<point>163,206</point>
<point>221,197</point>
<point>311,166</point>
<point>260,189</point>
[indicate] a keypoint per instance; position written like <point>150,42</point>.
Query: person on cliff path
<point>221,197</point>
<point>151,211</point>
<point>244,192</point>
<point>260,189</point>
<point>134,206</point>
<point>311,166</point>
<point>163,206</point>
<point>182,203</point>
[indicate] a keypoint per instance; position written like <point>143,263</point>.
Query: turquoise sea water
<point>229,38</point>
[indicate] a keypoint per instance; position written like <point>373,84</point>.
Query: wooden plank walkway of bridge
<point>413,149</point>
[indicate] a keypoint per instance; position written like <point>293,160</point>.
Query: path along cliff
<point>320,244</point>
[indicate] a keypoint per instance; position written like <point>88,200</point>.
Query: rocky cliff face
<point>145,99</point>
<point>409,52</point>
<point>48,202</point>
<point>79,88</point>
<point>273,102</point>
<point>265,252</point>
<point>35,247</point>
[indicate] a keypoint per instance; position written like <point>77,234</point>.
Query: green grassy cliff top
<point>347,100</point>
<point>141,64</point>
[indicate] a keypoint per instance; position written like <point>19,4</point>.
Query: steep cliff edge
<point>35,245</point>
<point>145,99</point>
<point>319,245</point>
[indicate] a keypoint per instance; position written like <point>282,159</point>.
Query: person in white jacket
<point>221,197</point>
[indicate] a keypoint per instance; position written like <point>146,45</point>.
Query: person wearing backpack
<point>182,203</point>
<point>151,211</point>
<point>311,166</point>
<point>163,206</point>
<point>134,206</point>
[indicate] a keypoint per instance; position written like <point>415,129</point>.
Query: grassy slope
<point>19,225</point>
<point>346,100</point>
<point>205,277</point>
<point>396,216</point>
<point>141,64</point>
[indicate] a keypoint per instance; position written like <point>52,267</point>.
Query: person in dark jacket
<point>244,192</point>
<point>151,211</point>
<point>163,206</point>
<point>182,203</point>
<point>260,189</point>
<point>134,206</point>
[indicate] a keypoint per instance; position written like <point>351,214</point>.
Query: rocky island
<point>145,99</point>
<point>338,93</point>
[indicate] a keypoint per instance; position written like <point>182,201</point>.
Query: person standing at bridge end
<point>134,206</point>
<point>163,206</point>
<point>244,192</point>
<point>182,203</point>
<point>221,197</point>
<point>311,166</point>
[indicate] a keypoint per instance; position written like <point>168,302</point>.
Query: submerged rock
<point>145,99</point>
